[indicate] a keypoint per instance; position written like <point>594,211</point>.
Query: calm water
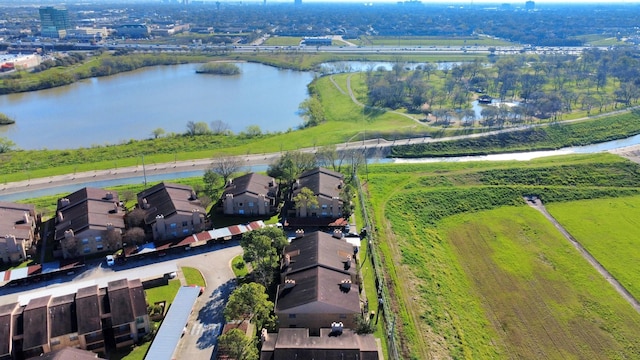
<point>131,105</point>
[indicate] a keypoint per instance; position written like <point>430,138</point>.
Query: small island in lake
<point>5,120</point>
<point>218,68</point>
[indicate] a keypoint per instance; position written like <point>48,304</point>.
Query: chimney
<point>288,284</point>
<point>345,284</point>
<point>109,226</point>
<point>25,217</point>
<point>263,335</point>
<point>60,216</point>
<point>272,182</point>
<point>347,264</point>
<point>336,328</point>
<point>337,233</point>
<point>193,195</point>
<point>145,203</point>
<point>299,233</point>
<point>68,234</point>
<point>64,202</point>
<point>109,196</point>
<point>116,208</point>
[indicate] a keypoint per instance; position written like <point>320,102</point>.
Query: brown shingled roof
<point>319,249</point>
<point>253,183</point>
<point>88,310</point>
<point>35,323</point>
<point>166,199</point>
<point>62,315</point>
<point>317,285</point>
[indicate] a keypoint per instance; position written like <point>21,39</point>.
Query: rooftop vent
<point>336,328</point>
<point>345,284</point>
<point>289,283</point>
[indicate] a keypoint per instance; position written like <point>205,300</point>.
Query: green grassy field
<point>476,274</point>
<point>540,297</point>
<point>608,229</point>
<point>431,41</point>
<point>283,41</point>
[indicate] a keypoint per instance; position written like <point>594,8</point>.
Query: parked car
<point>110,260</point>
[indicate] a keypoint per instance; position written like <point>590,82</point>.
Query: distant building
<point>530,5</point>
<point>133,31</point>
<point>54,22</point>
<point>18,226</point>
<point>317,41</point>
<point>89,33</point>
<point>172,211</point>
<point>19,62</point>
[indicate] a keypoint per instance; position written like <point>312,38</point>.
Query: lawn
<point>163,293</point>
<point>193,276</point>
<point>283,41</point>
<point>239,267</point>
<point>608,229</point>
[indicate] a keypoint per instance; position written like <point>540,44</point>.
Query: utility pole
<point>144,172</point>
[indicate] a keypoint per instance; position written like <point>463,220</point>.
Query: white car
<point>110,260</point>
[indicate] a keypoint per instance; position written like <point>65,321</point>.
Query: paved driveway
<point>206,319</point>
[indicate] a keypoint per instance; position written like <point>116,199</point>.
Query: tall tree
<point>250,302</point>
<point>158,132</point>
<point>290,165</point>
<point>262,248</point>
<point>311,111</point>
<point>197,128</point>
<point>305,199</point>
<point>6,145</point>
<point>235,345</point>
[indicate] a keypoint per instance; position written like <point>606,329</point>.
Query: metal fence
<point>389,317</point>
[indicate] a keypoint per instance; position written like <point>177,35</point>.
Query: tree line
<point>539,86</point>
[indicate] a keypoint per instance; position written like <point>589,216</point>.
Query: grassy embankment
<point>541,138</point>
<point>475,273</point>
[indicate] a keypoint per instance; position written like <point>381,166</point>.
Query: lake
<point>114,109</point>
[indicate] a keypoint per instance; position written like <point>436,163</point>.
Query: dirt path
<point>537,204</point>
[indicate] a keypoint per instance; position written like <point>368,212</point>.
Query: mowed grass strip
<point>541,297</point>
<point>608,229</point>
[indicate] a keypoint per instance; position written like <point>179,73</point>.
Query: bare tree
<point>135,218</point>
<point>226,166</point>
<point>327,156</point>
<point>113,238</point>
<point>134,236</point>
<point>219,127</point>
